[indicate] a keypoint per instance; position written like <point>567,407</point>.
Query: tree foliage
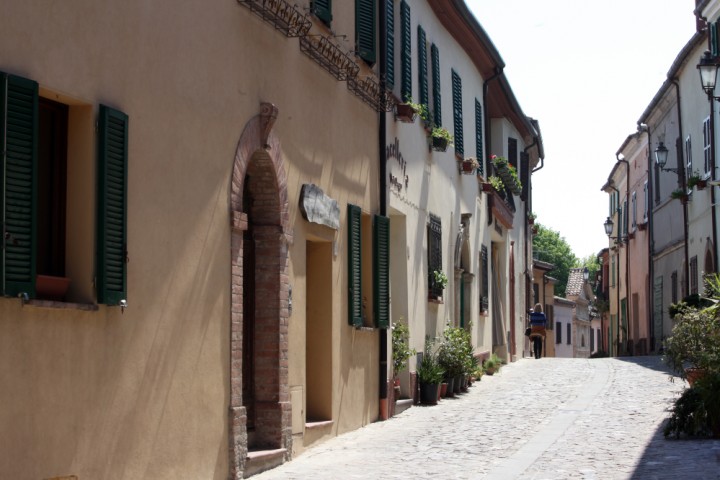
<point>550,247</point>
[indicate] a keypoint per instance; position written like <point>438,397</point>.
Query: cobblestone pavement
<point>537,419</point>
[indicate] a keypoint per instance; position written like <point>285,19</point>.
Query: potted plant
<point>679,194</point>
<point>697,411</point>
<point>401,351</point>
<point>440,139</point>
<point>408,111</point>
<point>693,349</point>
<point>430,374</point>
<point>508,173</point>
<point>452,355</point>
<point>531,218</point>
<point>469,166</point>
<point>440,279</point>
<point>492,364</point>
<point>695,180</point>
<point>495,183</point>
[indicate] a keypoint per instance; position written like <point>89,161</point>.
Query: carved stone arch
<point>259,232</point>
<point>709,264</point>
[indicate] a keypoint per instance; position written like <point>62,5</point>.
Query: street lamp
<point>609,229</point>
<point>661,156</point>
<point>708,69</point>
<point>586,274</point>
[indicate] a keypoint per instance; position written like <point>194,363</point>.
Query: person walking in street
<point>538,323</point>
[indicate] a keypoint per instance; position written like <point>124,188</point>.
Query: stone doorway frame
<point>259,148</point>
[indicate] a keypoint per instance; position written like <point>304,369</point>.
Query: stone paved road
<point>538,419</point>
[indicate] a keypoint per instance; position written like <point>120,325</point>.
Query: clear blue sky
<point>586,70</point>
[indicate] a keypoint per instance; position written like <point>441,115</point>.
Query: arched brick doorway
<point>260,416</point>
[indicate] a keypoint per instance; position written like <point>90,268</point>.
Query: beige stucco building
<point>218,184</point>
<point>236,334</point>
<point>441,218</point>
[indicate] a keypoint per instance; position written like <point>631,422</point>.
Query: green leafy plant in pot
<point>401,350</point>
<point>430,374</point>
<point>492,364</point>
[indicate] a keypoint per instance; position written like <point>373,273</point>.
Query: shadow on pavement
<point>678,459</point>
<point>653,362</point>
<point>668,458</point>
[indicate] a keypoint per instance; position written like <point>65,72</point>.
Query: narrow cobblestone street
<point>537,419</point>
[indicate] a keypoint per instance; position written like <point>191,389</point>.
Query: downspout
<point>681,175</point>
<point>627,248</point>
<point>618,242</point>
<point>382,140</point>
<point>711,99</point>
<point>529,261</point>
<point>649,304</point>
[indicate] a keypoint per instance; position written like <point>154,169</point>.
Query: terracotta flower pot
<point>405,113</point>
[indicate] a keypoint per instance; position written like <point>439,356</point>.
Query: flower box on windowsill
<point>48,287</point>
<point>439,144</point>
<point>469,166</point>
<point>405,112</point>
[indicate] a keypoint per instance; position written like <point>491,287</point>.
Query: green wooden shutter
<point>422,68</point>
<point>354,266</point>
<point>381,269</point>
<point>390,45</point>
<point>437,97</point>
<point>713,30</point>
<point>406,48</point>
<point>18,182</point>
<point>457,114</point>
<point>111,238</point>
<point>479,136</point>
<point>365,29</point>
<point>322,9</point>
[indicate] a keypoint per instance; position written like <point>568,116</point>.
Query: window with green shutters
<point>111,234</point>
<point>457,114</point>
<point>34,192</point>
<point>479,136</point>
<point>406,52</point>
<point>513,152</point>
<point>322,9</point>
<point>354,222</point>
<point>359,270</point>
<point>365,32</point>
<point>437,97</point>
<point>18,185</point>
<point>390,43</point>
<point>381,270</point>
<point>422,68</point>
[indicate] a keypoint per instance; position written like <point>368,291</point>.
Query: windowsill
<point>88,307</point>
<point>318,425</point>
<point>366,329</point>
<point>437,301</point>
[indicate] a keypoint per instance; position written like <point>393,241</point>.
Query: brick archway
<point>258,203</point>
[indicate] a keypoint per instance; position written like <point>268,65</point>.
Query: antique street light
<point>586,274</point>
<point>661,156</point>
<point>708,69</point>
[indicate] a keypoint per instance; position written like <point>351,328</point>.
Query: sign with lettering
<point>400,179</point>
<point>316,207</point>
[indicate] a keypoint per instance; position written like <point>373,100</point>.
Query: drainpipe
<point>627,248</point>
<point>529,274</point>
<point>682,179</point>
<point>649,305</point>
<point>382,136</point>
<point>618,242</point>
